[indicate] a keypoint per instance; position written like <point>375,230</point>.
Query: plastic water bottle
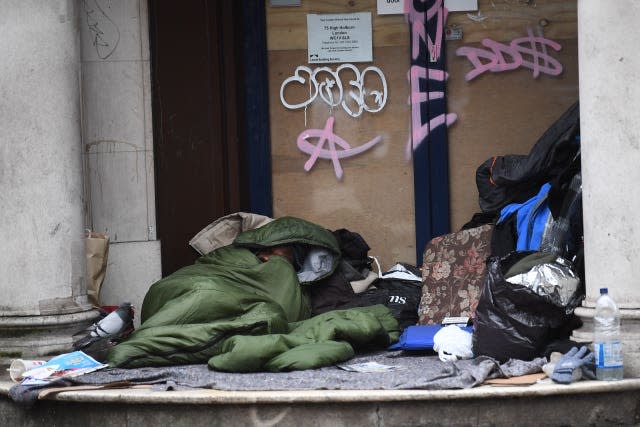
<point>606,344</point>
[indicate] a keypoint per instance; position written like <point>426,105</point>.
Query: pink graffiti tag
<point>417,20</point>
<point>318,150</point>
<point>541,61</point>
<point>420,130</point>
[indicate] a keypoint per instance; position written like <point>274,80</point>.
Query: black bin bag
<point>514,322</point>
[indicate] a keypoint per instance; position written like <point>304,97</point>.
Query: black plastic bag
<point>512,321</point>
<point>517,177</point>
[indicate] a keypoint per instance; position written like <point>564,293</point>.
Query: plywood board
<point>509,19</point>
<point>375,195</point>
<point>498,113</point>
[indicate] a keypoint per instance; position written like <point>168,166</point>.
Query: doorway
<point>209,158</point>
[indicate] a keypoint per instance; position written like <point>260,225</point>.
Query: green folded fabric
<point>322,340</point>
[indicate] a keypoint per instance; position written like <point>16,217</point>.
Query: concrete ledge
<point>582,403</point>
<point>145,395</point>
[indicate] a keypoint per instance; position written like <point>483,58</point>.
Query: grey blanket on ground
<point>406,371</point>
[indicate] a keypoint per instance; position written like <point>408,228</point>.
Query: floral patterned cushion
<point>452,274</point>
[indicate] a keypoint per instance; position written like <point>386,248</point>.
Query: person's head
<point>285,251</point>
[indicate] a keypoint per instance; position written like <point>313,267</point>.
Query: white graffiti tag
<point>327,84</point>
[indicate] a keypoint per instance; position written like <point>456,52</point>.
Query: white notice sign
<point>342,37</point>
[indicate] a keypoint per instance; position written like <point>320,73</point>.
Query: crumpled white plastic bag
<point>453,343</point>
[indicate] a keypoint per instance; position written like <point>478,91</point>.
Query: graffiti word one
<point>529,52</point>
<point>328,84</point>
<point>326,136</point>
<point>423,78</point>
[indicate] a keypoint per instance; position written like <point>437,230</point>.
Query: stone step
<point>582,403</point>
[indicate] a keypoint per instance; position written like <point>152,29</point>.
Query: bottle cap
<point>604,291</point>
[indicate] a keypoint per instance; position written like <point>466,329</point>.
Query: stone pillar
<point>43,265</point>
<point>610,140</point>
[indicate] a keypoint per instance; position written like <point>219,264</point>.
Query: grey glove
<point>569,367</point>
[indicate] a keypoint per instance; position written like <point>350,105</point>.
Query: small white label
<point>461,5</point>
<point>452,33</point>
<point>390,7</point>
<point>461,320</point>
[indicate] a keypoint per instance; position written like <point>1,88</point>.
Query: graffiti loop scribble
<point>328,85</point>
<point>105,32</point>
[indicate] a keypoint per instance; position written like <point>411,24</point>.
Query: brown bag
<point>97,247</point>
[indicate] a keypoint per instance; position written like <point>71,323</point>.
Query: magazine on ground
<point>63,366</point>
